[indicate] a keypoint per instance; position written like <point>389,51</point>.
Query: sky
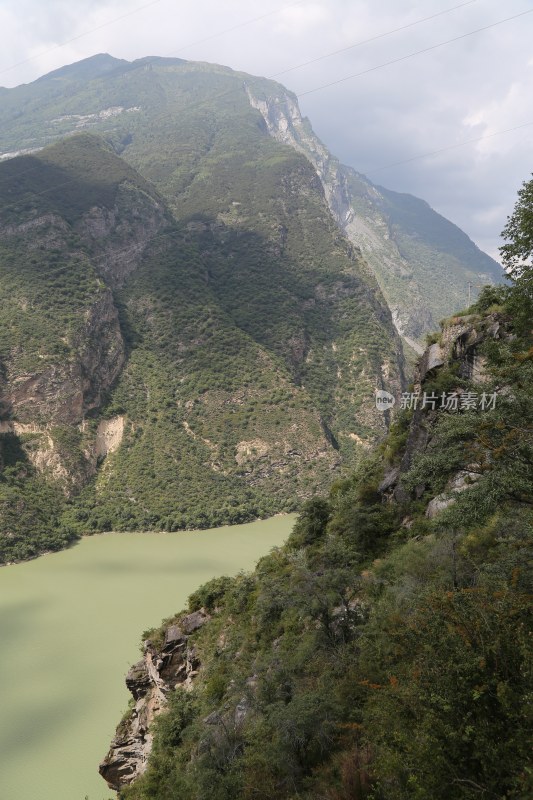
<point>407,125</point>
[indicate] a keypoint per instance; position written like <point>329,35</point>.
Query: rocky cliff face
<point>285,123</point>
<point>163,668</point>
<point>65,391</point>
<point>400,256</point>
<point>423,262</point>
<point>120,236</point>
<point>288,658</point>
<point>231,325</point>
<point>46,388</point>
<point>174,661</point>
<point>458,347</point>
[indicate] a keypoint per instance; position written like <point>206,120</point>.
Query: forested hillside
<point>163,372</point>
<point>385,652</point>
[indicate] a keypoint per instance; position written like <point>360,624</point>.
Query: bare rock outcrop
<point>459,343</point>
<point>57,383</point>
<point>65,390</point>
<point>119,236</point>
<point>161,669</point>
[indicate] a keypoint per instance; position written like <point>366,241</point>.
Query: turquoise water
<point>70,626</point>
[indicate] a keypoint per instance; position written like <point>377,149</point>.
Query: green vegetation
<point>67,179</point>
<point>517,255</point>
<point>28,503</point>
<point>407,678</point>
<point>189,128</point>
<point>234,331</point>
<point>381,653</point>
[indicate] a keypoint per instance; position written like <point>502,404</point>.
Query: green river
<point>70,626</point>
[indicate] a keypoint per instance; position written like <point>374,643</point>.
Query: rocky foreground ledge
<point>161,669</point>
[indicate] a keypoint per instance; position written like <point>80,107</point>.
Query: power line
<point>341,80</point>
<point>241,25</point>
<point>371,39</point>
<point>130,13</point>
<point>449,147</point>
<point>412,55</point>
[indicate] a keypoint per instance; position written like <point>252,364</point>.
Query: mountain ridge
<point>424,270</point>
<point>385,225</point>
<point>216,253</point>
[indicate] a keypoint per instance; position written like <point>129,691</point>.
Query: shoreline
<point>144,532</point>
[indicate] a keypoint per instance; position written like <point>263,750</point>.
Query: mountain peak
<point>86,69</point>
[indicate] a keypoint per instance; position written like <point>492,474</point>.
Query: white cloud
<point>473,87</point>
<point>300,19</point>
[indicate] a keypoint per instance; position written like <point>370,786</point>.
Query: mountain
<point>164,370</point>
<point>422,261</point>
<point>385,651</point>
<point>191,335</point>
<point>173,119</point>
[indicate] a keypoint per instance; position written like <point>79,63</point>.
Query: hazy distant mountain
<point>422,261</point>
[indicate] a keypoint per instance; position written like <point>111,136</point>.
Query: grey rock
<point>437,505</point>
<point>241,711</point>
<point>390,479</point>
<point>212,719</point>
<point>193,621</point>
<point>173,636</point>
<point>460,482</point>
<point>150,681</point>
<point>433,358</point>
<point>138,679</point>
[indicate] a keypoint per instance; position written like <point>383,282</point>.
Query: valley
<point>200,307</point>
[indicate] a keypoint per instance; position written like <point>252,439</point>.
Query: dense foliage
<point>434,260</point>
<point>254,334</point>
<point>248,335</point>
<point>517,255</point>
<point>380,654</point>
<point>27,502</point>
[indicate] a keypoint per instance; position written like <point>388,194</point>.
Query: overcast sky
<point>475,87</point>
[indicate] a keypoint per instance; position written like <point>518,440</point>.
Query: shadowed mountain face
<point>199,132</point>
<point>181,361</point>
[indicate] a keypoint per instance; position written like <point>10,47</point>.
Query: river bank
<point>71,624</point>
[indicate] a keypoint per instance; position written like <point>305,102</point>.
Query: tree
<point>517,257</point>
<point>311,523</point>
<point>517,253</point>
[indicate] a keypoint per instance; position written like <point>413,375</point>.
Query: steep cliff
<point>62,343</point>
<point>423,262</point>
<point>386,645</point>
<point>445,378</point>
<point>168,664</point>
<point>197,294</point>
